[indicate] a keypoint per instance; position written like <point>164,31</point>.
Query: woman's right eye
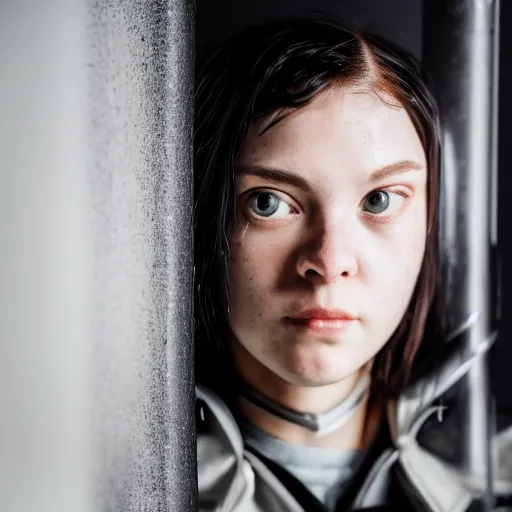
<point>269,205</point>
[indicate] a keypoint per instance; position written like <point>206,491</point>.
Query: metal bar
<point>460,53</point>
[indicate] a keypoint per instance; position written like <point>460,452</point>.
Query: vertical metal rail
<point>460,51</point>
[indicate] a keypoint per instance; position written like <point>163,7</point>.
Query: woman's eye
<point>383,201</point>
<point>267,204</point>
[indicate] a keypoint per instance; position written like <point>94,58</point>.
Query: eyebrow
<point>393,169</point>
<point>291,178</point>
<point>278,175</point>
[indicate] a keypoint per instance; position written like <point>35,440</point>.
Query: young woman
<point>316,164</point>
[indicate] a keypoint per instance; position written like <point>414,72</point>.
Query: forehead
<point>343,127</point>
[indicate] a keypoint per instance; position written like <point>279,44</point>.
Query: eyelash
<point>376,218</point>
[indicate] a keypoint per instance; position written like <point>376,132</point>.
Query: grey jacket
<point>230,478</point>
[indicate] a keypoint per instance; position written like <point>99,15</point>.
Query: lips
<point>323,314</point>
<point>323,321</point>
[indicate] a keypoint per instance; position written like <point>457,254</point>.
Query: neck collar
<point>320,423</point>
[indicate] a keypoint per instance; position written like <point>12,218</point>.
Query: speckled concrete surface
<point>140,219</point>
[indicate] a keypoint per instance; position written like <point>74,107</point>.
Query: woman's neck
<point>357,433</point>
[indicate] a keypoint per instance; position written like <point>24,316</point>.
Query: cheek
<point>409,250</point>
<point>398,271</point>
<point>253,269</point>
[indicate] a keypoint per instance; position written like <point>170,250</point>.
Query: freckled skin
<point>326,251</point>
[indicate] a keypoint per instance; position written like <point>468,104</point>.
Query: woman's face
<point>331,222</point>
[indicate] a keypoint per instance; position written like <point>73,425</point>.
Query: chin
<point>317,380</point>
<point>320,369</point>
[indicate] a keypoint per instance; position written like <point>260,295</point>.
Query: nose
<point>328,256</point>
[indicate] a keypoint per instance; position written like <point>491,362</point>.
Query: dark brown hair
<point>286,65</point>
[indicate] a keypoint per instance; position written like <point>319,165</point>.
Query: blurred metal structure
<point>460,53</point>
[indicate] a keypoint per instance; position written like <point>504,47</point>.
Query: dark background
<point>401,22</point>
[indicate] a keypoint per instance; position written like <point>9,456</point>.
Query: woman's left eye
<point>382,201</point>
